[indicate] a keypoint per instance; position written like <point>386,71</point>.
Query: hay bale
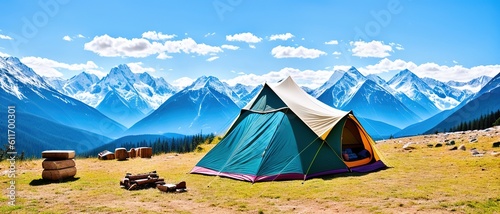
<point>58,164</point>
<point>121,154</point>
<point>132,153</point>
<point>144,152</point>
<point>58,174</point>
<point>59,154</point>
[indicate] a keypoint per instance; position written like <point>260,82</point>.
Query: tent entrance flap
<point>356,149</point>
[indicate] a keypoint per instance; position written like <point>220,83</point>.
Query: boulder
<point>454,148</point>
<point>408,146</point>
<point>438,145</point>
<point>462,147</point>
<point>496,144</point>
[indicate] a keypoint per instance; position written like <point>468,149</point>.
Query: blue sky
<point>254,41</point>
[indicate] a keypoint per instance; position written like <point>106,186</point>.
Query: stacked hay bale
<point>132,153</point>
<point>144,152</point>
<point>121,154</point>
<point>58,164</point>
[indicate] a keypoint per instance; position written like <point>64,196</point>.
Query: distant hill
<point>34,135</point>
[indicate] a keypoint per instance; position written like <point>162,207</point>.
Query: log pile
<point>150,180</point>
<point>122,154</point>
<point>58,164</point>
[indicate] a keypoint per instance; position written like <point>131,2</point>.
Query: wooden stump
<point>132,153</point>
<point>59,154</point>
<point>121,154</point>
<point>58,174</point>
<point>58,164</point>
<point>144,152</point>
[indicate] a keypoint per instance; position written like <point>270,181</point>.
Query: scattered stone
<point>430,145</point>
<point>496,144</point>
<point>454,148</point>
<point>476,153</point>
<point>495,154</point>
<point>462,147</point>
<point>408,146</point>
<point>473,140</point>
<point>452,142</point>
<point>438,145</point>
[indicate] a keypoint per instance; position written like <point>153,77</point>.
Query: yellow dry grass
<point>427,180</point>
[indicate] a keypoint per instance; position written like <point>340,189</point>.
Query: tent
<point>284,133</point>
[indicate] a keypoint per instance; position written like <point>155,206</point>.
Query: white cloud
<point>397,46</point>
<point>5,37</point>
<point>139,47</point>
<point>209,34</point>
<point>244,37</point>
<point>182,82</point>
<point>293,52</point>
<point>252,46</point>
<point>308,78</point>
<point>454,61</point>
<point>163,55</point>
<point>153,35</point>
<point>80,36</point>
<point>386,65</point>
<point>336,53</point>
<point>136,67</point>
<point>457,72</point>
<point>230,47</point>
<point>212,58</point>
<point>332,42</point>
<point>371,49</point>
<point>188,45</point>
<point>433,70</point>
<point>4,54</point>
<point>284,37</point>
<point>67,38</point>
<point>49,68</point>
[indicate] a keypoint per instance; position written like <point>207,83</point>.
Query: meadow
<point>422,180</point>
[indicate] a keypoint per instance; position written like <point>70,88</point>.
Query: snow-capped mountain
<point>373,102</point>
<point>474,85</point>
<point>247,98</point>
<point>484,102</point>
<point>117,108</point>
<point>30,94</point>
<point>204,106</point>
<point>215,84</point>
<point>444,90</point>
<point>340,88</point>
<point>140,90</point>
<point>74,85</point>
<point>417,90</point>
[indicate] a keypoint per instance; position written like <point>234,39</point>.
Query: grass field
<point>426,180</point>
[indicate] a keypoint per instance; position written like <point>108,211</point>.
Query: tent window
<point>352,143</point>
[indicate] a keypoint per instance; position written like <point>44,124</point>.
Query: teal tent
<point>284,133</point>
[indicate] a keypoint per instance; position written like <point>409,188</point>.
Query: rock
<point>473,140</point>
<point>454,148</point>
<point>438,145</point>
<point>495,154</point>
<point>496,144</point>
<point>430,145</point>
<point>452,142</point>
<point>462,147</point>
<point>408,146</point>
